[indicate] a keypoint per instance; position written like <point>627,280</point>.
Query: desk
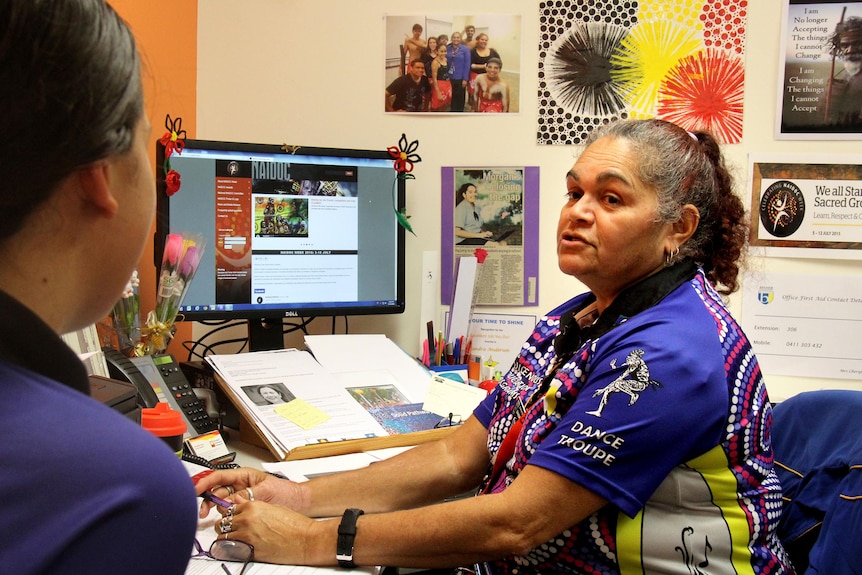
<point>248,455</point>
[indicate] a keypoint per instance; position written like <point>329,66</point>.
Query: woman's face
<point>470,194</point>
<point>270,395</point>
<point>432,45</point>
<point>607,236</point>
<point>133,186</point>
<point>441,50</point>
<point>482,40</point>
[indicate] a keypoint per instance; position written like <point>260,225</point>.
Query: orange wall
<point>166,33</point>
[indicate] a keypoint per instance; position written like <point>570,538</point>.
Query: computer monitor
<point>301,233</point>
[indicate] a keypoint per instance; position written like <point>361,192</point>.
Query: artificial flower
<point>174,140</point>
<point>180,260</point>
<point>480,254</point>
<point>172,182</point>
<point>404,154</point>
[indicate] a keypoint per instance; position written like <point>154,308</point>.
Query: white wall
<point>310,72</point>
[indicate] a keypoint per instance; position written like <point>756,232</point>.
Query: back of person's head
<point>71,95</point>
<point>688,168</point>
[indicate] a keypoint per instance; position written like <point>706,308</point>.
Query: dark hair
<point>462,189</point>
<point>847,32</point>
<point>71,95</point>
<point>494,60</point>
<point>688,168</point>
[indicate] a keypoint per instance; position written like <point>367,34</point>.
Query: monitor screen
<point>303,234</point>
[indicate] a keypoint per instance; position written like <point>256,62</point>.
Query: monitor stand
<point>265,334</point>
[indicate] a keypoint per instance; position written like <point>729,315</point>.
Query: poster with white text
<point>803,206</point>
<point>820,90</point>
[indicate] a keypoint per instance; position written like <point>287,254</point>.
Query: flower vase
<point>128,335</point>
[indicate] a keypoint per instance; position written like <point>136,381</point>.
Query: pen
<point>426,358</point>
<point>431,351</point>
<point>208,496</point>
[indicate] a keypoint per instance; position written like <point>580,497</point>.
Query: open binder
<point>355,394</point>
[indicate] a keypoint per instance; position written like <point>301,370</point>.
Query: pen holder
<point>164,422</point>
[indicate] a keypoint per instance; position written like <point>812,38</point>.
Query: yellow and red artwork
<point>602,60</point>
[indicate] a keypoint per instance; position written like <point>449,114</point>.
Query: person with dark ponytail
<point>631,434</point>
<point>87,490</point>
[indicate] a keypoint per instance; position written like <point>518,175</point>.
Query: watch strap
<point>346,536</point>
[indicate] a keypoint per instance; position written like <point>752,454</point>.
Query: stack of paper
<point>368,394</point>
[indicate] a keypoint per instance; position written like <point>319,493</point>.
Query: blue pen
<point>457,352</point>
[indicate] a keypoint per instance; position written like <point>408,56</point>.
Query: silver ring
<point>225,525</point>
<point>250,493</point>
<point>230,510</point>
<point>230,489</point>
<point>226,536</point>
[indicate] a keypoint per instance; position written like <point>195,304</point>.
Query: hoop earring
<point>668,258</point>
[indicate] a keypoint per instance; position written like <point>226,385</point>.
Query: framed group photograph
<point>453,64</point>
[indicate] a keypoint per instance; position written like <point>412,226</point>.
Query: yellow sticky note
<point>301,413</point>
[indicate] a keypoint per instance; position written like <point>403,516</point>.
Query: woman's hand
<point>277,534</point>
<point>251,484</point>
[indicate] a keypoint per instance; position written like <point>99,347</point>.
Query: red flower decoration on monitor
<point>174,140</point>
<point>175,137</point>
<point>404,157</point>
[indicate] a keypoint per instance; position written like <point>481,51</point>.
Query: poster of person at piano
<point>495,210</point>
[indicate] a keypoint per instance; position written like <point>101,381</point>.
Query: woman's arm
<point>426,474</point>
<point>536,506</point>
<point>462,233</point>
<point>406,480</point>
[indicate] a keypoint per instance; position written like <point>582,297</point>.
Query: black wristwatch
<point>346,535</point>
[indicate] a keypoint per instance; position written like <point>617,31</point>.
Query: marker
<point>208,496</point>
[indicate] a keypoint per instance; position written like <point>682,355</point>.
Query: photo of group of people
<point>280,217</point>
<point>450,64</point>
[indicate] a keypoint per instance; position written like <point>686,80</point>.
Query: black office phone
<point>159,378</point>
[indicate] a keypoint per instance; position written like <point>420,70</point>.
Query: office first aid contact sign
<point>810,209</point>
<point>804,325</point>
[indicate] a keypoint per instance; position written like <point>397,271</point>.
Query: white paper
<point>804,325</point>
<point>370,359</point>
<point>304,469</point>
<point>498,338</point>
<point>446,396</point>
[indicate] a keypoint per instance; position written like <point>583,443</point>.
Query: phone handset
<point>121,368</point>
